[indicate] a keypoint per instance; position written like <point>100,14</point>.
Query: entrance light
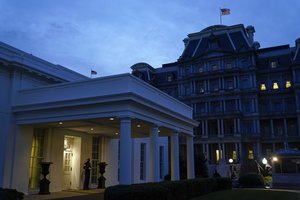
<point>264,161</point>
<point>275,159</point>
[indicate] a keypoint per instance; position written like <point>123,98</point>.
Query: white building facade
<point>50,113</point>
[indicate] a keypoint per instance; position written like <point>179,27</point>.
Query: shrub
<point>10,194</point>
<point>167,190</point>
<point>251,180</point>
<point>268,180</point>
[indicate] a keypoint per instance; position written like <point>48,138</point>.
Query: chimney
<point>297,43</point>
<point>185,41</point>
<point>250,31</point>
<point>256,45</point>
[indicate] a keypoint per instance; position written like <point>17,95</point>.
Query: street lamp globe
<point>230,160</point>
<point>264,161</point>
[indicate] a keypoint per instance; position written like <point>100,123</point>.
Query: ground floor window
<point>143,161</point>
<point>161,162</point>
<point>95,159</point>
<point>36,158</point>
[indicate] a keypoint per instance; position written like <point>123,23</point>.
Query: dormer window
<point>273,63</point>
<point>263,86</point>
<point>275,86</point>
<point>214,67</point>
<point>170,77</point>
<point>228,65</point>
<point>288,84</point>
<point>200,69</point>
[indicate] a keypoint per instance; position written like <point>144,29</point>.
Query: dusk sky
<point>110,36</point>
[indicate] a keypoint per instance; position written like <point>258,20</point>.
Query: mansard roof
<point>216,39</point>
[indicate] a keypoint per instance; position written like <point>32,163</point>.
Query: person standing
<point>87,172</point>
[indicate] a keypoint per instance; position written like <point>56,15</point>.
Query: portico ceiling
<point>109,127</point>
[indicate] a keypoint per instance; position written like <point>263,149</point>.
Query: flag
<point>225,11</point>
<point>93,72</point>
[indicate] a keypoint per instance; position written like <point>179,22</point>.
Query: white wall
<point>20,178</point>
<point>111,158</point>
<point>82,151</point>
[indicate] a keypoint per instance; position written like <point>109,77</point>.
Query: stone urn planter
<point>101,179</point>
<point>44,182</point>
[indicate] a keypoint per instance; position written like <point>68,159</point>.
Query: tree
<point>201,169</point>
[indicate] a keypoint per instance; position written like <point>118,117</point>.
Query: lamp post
<point>232,173</point>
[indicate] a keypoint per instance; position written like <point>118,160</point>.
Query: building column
<point>223,151</point>
<point>272,128</point>
<point>298,122</point>
<point>154,155</point>
<point>222,127</point>
<point>206,128</point>
<point>258,150</point>
<point>190,157</point>
<point>240,152</point>
<point>237,153</point>
<point>174,157</point>
<point>207,152</point>
<point>285,127</point>
<point>125,151</point>
<point>238,126</point>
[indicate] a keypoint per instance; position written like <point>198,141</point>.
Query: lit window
<point>234,155</point>
<point>288,84</point>
<point>218,155</point>
<point>200,69</point>
<point>170,77</point>
<point>214,67</point>
<point>263,86</point>
<point>250,155</point>
<point>275,86</point>
<point>273,64</point>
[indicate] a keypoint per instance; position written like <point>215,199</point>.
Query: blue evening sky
<point>112,35</point>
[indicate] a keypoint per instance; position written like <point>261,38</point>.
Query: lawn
<point>250,194</point>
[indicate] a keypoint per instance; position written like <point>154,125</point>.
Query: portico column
<point>125,151</point>
<point>190,157</point>
<point>174,157</point>
<point>154,155</point>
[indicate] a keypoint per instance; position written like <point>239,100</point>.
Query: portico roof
<point>103,98</point>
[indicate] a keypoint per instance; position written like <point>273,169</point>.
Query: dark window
<point>161,161</point>
<point>214,85</point>
<point>229,83</point>
<point>200,87</point>
<point>200,108</point>
<point>143,161</point>
<point>245,82</point>
<point>247,106</point>
<point>215,106</point>
<point>230,105</point>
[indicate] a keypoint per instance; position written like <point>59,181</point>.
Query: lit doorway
<point>71,162</point>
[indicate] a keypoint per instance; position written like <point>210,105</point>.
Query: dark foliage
<point>167,190</point>
<point>201,169</point>
<point>10,194</point>
<point>251,180</point>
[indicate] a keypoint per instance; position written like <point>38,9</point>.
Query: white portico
<point>119,107</point>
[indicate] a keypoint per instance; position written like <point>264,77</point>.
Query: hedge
<point>167,190</point>
<point>10,194</point>
<point>251,180</point>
